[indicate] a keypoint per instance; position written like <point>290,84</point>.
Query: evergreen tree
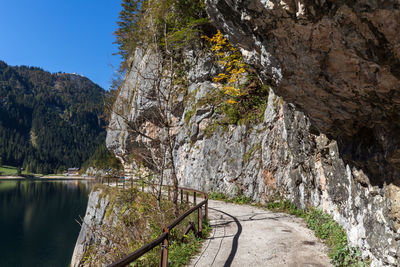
<point>127,24</point>
<point>48,120</point>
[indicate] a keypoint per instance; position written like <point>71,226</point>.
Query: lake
<point>38,221</point>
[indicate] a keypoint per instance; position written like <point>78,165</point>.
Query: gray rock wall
<point>94,218</point>
<point>337,61</point>
<point>286,154</point>
<point>135,101</point>
<point>282,156</point>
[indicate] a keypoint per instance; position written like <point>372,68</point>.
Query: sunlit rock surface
<point>338,64</point>
<point>338,61</point>
<point>94,217</point>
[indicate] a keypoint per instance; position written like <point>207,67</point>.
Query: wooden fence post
<point>164,238</point>
<point>199,221</point>
<point>164,252</point>
<point>181,196</point>
<point>206,210</point>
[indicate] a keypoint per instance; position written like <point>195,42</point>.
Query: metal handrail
<point>163,238</point>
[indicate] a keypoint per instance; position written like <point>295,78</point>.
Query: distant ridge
<point>48,122</point>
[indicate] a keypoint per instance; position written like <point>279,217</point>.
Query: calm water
<point>38,221</point>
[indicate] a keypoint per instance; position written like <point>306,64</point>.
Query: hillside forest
<point>49,122</point>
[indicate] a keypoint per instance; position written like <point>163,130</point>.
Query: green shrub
<point>189,114</point>
<point>217,196</point>
<point>181,252</point>
<point>286,206</point>
<point>240,199</point>
<point>326,228</point>
<point>134,220</point>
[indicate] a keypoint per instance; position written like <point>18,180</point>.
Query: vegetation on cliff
<point>164,33</point>
<point>132,219</point>
<point>48,122</point>
<point>170,24</point>
<point>176,26</point>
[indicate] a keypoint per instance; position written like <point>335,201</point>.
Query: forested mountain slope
<point>48,122</point>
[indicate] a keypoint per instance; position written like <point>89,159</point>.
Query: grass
<point>8,170</point>
<point>254,148</point>
<point>335,237</point>
<point>180,252</point>
<point>136,220</point>
<point>323,225</point>
<point>189,114</point>
<point>327,229</point>
<point>242,199</point>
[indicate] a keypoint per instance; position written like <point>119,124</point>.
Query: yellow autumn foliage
<point>231,63</point>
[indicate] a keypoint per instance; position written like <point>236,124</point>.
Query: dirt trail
<point>247,236</point>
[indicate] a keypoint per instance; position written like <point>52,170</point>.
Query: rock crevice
<point>337,61</point>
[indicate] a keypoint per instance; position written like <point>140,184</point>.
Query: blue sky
<point>73,36</point>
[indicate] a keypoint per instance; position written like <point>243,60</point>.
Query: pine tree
<point>127,24</point>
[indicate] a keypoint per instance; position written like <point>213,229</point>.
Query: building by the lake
<point>73,171</point>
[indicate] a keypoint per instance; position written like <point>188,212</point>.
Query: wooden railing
<point>163,239</point>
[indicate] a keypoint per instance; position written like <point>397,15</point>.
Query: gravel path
<point>247,236</point>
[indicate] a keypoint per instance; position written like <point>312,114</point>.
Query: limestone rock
<point>332,142</point>
<point>338,61</point>
<point>94,217</point>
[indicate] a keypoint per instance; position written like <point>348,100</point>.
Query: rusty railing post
<point>194,198</point>
<point>123,184</point>
<point>169,193</point>
<point>164,250</point>
<point>187,197</point>
<point>206,210</point>
<point>181,196</point>
<point>199,221</point>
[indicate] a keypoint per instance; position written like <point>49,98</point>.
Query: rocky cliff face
<point>283,156</point>
<point>93,219</point>
<point>332,61</point>
<point>338,61</point>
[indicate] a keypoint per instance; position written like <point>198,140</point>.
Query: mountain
<point>48,121</point>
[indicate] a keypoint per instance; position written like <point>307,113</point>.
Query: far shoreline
<point>46,178</point>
